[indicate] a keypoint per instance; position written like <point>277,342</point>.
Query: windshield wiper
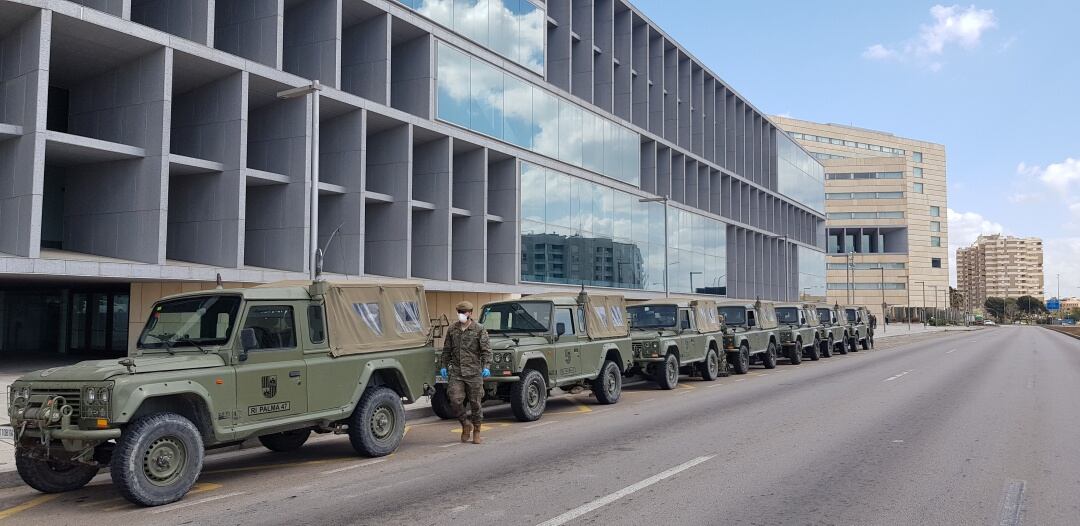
<point>191,342</point>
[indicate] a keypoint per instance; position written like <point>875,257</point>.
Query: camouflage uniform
<point>466,353</point>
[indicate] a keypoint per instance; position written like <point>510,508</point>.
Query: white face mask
<point>462,317</point>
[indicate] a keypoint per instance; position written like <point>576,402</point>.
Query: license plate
<point>440,380</point>
<point>7,433</point>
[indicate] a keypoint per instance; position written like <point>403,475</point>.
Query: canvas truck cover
<point>605,314</point>
<point>373,316</point>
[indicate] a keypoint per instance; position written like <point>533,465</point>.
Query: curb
<point>11,479</point>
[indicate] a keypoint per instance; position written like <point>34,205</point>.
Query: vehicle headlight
<point>103,395</point>
<point>91,395</point>
<point>24,393</point>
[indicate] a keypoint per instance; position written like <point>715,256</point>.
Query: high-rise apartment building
<point>483,147</point>
<point>886,208</point>
<point>999,266</point>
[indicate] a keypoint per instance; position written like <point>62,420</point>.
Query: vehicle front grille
<point>72,397</point>
<point>637,347</point>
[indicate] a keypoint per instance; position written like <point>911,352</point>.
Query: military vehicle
<point>750,334</point>
<point>545,341</point>
<point>859,331</point>
<point>673,336</point>
<point>217,367</point>
<point>835,329</point>
<point>799,331</point>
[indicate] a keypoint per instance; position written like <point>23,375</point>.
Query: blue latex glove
<point>442,372</point>
<point>486,373</point>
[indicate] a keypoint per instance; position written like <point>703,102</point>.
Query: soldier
<point>467,355</point>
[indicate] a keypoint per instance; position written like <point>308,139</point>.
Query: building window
<point>935,262</point>
<point>916,156</point>
<point>935,226</point>
<point>918,172</point>
<point>918,188</point>
<point>935,241</point>
<point>935,211</point>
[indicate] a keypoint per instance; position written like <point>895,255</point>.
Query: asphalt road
<point>964,428</point>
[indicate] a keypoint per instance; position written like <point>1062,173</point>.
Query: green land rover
<point>673,336</point>
<point>217,367</point>
<point>750,334</point>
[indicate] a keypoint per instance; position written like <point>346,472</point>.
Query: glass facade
<point>852,144</point>
<point>481,97</point>
<point>512,28</point>
<point>575,231</point>
<point>863,195</point>
<point>866,175</point>
<point>865,215</point>
<point>800,177</point>
<point>811,273</point>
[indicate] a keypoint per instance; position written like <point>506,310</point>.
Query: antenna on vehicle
<point>321,253</point>
<point>220,285</point>
<point>582,296</point>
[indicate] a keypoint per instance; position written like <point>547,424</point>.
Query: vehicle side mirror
<point>560,329</point>
<point>248,341</point>
<point>751,322</point>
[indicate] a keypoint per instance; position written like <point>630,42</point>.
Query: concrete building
<point>147,146</point>
<point>886,208</point>
<point>999,266</point>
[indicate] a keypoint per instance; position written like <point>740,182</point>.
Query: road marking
<point>34,502</point>
<point>354,466</point>
<point>608,499</point>
<point>686,386</point>
<point>891,378</point>
<point>544,423</point>
<point>167,509</point>
<point>275,466</point>
<point>1012,504</point>
<point>201,487</point>
<point>715,385</point>
<point>740,379</point>
<point>950,351</point>
<point>451,444</point>
<point>648,400</point>
<point>897,441</point>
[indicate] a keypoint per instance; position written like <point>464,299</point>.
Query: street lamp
<point>667,234</point>
<point>311,90</point>
<point>884,305</point>
<point>923,283</point>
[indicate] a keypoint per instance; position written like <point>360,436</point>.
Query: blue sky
<point>998,83</point>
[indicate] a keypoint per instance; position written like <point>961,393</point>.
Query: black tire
<point>768,358</point>
<point>740,360</point>
<point>796,354</point>
<point>865,343</point>
<point>853,345</point>
<point>815,350</point>
<point>827,350</point>
<point>607,387</point>
<point>54,477</point>
<point>157,459</point>
<point>842,345</point>
<point>666,375</point>
<point>440,404</point>
<point>528,398</point>
<point>286,441</point>
<point>710,368</point>
<point>377,425</point>
<point>871,341</point>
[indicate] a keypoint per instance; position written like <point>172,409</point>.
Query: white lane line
<point>740,379</point>
<point>891,378</point>
<point>354,466</point>
<point>544,423</point>
<point>648,400</point>
<point>1012,504</point>
<point>452,444</point>
<point>950,351</point>
<point>167,509</point>
<point>608,499</point>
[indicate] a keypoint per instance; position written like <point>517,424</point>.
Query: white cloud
<point>1062,256</point>
<point>1057,180</point>
<point>951,25</point>
<point>964,228</point>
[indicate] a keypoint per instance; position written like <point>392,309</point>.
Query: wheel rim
<point>383,422</point>
<point>611,382</point>
<point>713,364</point>
<point>533,396</point>
<point>164,461</point>
<point>672,370</point>
<point>744,359</point>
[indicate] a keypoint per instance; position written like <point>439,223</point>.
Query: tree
<point>1074,314</point>
<point>956,298</point>
<point>995,307</point>
<point>1030,305</point>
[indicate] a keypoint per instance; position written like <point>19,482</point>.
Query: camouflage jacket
<point>466,351</point>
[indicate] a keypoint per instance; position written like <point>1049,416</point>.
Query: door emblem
<point>269,386</point>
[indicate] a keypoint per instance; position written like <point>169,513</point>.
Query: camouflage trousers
<point>465,397</point>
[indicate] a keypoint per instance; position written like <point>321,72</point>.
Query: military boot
<point>466,431</point>
<point>476,435</point>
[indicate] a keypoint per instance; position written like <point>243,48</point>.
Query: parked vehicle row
<point>282,361</point>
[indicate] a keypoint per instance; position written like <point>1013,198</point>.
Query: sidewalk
<point>901,329</point>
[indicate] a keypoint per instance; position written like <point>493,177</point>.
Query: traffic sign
<point>1053,304</point>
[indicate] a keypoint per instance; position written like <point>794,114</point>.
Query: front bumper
<point>501,379</point>
<point>74,433</point>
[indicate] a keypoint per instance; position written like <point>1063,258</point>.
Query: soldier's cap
<point>464,306</point>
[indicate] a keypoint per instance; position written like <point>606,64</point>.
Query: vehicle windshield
<point>733,315</point>
<point>851,315</point>
<point>787,315</point>
<point>824,315</point>
<point>517,316</point>
<point>652,316</point>
<point>190,322</point>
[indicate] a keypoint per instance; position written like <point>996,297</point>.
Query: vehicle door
<point>568,346</point>
<point>754,334</point>
<point>693,343</point>
<point>270,382</point>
